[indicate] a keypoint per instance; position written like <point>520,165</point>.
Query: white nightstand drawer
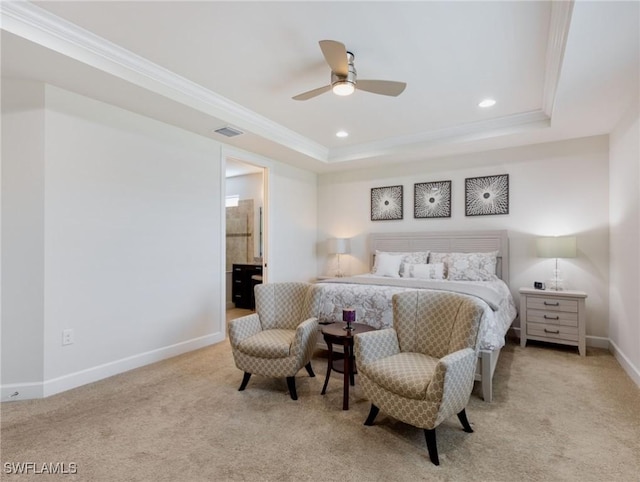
<point>552,317</point>
<point>553,304</point>
<point>552,332</point>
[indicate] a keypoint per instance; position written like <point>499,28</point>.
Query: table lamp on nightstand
<point>556,247</point>
<point>339,246</point>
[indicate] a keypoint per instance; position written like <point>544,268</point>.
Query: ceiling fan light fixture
<point>343,88</point>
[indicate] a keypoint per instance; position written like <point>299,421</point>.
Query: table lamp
<point>339,246</point>
<point>349,316</point>
<point>556,247</point>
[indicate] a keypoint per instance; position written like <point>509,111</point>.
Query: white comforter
<point>371,296</point>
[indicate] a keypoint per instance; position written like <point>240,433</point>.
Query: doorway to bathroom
<point>244,234</point>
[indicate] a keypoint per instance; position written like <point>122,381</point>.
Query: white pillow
<point>424,271</point>
<point>388,265</point>
<point>472,266</point>
<point>407,257</point>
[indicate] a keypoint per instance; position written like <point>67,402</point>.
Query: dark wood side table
<point>335,333</point>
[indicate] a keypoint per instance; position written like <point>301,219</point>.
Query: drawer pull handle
<point>546,317</point>
<point>546,303</point>
<point>555,332</point>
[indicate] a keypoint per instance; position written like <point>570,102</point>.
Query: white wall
<point>132,242</point>
<point>113,226</point>
<point>22,233</point>
<point>555,189</point>
<point>292,217</point>
<point>131,215</point>
<point>624,327</point>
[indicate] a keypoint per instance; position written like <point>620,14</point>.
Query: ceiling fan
<point>344,77</point>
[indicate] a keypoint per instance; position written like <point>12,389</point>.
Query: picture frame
<point>486,195</point>
<point>432,200</point>
<point>387,203</point>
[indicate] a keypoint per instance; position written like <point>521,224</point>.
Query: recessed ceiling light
<point>342,134</point>
<point>487,103</point>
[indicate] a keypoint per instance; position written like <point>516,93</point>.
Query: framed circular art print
<point>386,203</point>
<point>486,195</point>
<point>432,200</point>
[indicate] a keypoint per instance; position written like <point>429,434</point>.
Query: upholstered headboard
<point>446,242</point>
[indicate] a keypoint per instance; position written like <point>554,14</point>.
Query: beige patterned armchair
<point>421,371</point>
<point>279,338</point>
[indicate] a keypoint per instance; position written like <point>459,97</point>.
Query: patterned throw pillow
<point>440,258</point>
<point>472,266</point>
<point>416,257</point>
<point>424,271</point>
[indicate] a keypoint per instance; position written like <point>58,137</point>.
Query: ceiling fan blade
<point>312,93</point>
<point>384,87</point>
<point>335,53</point>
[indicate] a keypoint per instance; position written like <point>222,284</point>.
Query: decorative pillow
<point>388,264</point>
<point>472,266</point>
<point>416,257</point>
<point>440,258</point>
<point>424,271</point>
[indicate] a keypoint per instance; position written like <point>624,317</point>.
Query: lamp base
<point>556,283</point>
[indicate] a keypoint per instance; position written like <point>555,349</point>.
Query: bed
<point>370,294</point>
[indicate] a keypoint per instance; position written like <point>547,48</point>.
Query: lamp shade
<point>556,247</point>
<point>339,246</point>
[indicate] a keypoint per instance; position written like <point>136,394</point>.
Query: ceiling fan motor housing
<point>351,75</point>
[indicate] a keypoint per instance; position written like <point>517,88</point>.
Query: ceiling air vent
<point>229,131</point>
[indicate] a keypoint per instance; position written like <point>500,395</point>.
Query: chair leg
<point>462,416</point>
<point>373,413</point>
<point>291,383</point>
<point>310,370</point>
<point>245,380</point>
<point>430,435</point>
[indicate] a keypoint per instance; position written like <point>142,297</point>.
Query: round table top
<point>337,329</point>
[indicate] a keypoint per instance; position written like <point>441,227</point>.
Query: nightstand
<point>553,316</point>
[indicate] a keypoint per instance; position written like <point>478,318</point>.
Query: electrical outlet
<point>67,336</point>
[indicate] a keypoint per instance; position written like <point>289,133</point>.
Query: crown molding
<point>37,25</point>
<point>559,24</point>
<point>461,133</point>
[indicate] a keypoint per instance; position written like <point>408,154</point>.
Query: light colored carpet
<point>556,417</point>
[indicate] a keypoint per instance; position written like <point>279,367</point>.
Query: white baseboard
<point>625,363</point>
<point>598,342</point>
<point>21,391</point>
<point>25,391</point>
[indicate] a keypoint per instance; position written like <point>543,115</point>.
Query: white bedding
<point>371,296</point>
